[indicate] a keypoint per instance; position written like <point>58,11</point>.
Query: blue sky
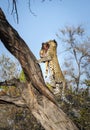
<point>50,17</point>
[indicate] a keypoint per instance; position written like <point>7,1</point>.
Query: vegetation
<point>22,76</point>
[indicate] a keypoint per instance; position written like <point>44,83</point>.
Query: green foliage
<point>22,77</point>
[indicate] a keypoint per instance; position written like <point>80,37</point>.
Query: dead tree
<point>34,93</point>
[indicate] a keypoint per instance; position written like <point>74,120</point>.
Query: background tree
<point>9,69</point>
<point>78,55</point>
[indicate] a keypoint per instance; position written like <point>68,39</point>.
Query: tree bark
<point>35,94</point>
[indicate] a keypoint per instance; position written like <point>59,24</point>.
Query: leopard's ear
<point>55,42</point>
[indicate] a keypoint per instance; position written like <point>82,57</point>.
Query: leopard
<point>50,58</point>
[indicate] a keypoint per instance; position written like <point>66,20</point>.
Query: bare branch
<point>14,8</point>
<point>29,3</point>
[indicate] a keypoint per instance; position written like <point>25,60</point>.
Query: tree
<point>33,93</point>
<point>78,48</point>
<point>8,68</point>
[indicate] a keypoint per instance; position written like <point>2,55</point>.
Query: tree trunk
<point>37,97</point>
